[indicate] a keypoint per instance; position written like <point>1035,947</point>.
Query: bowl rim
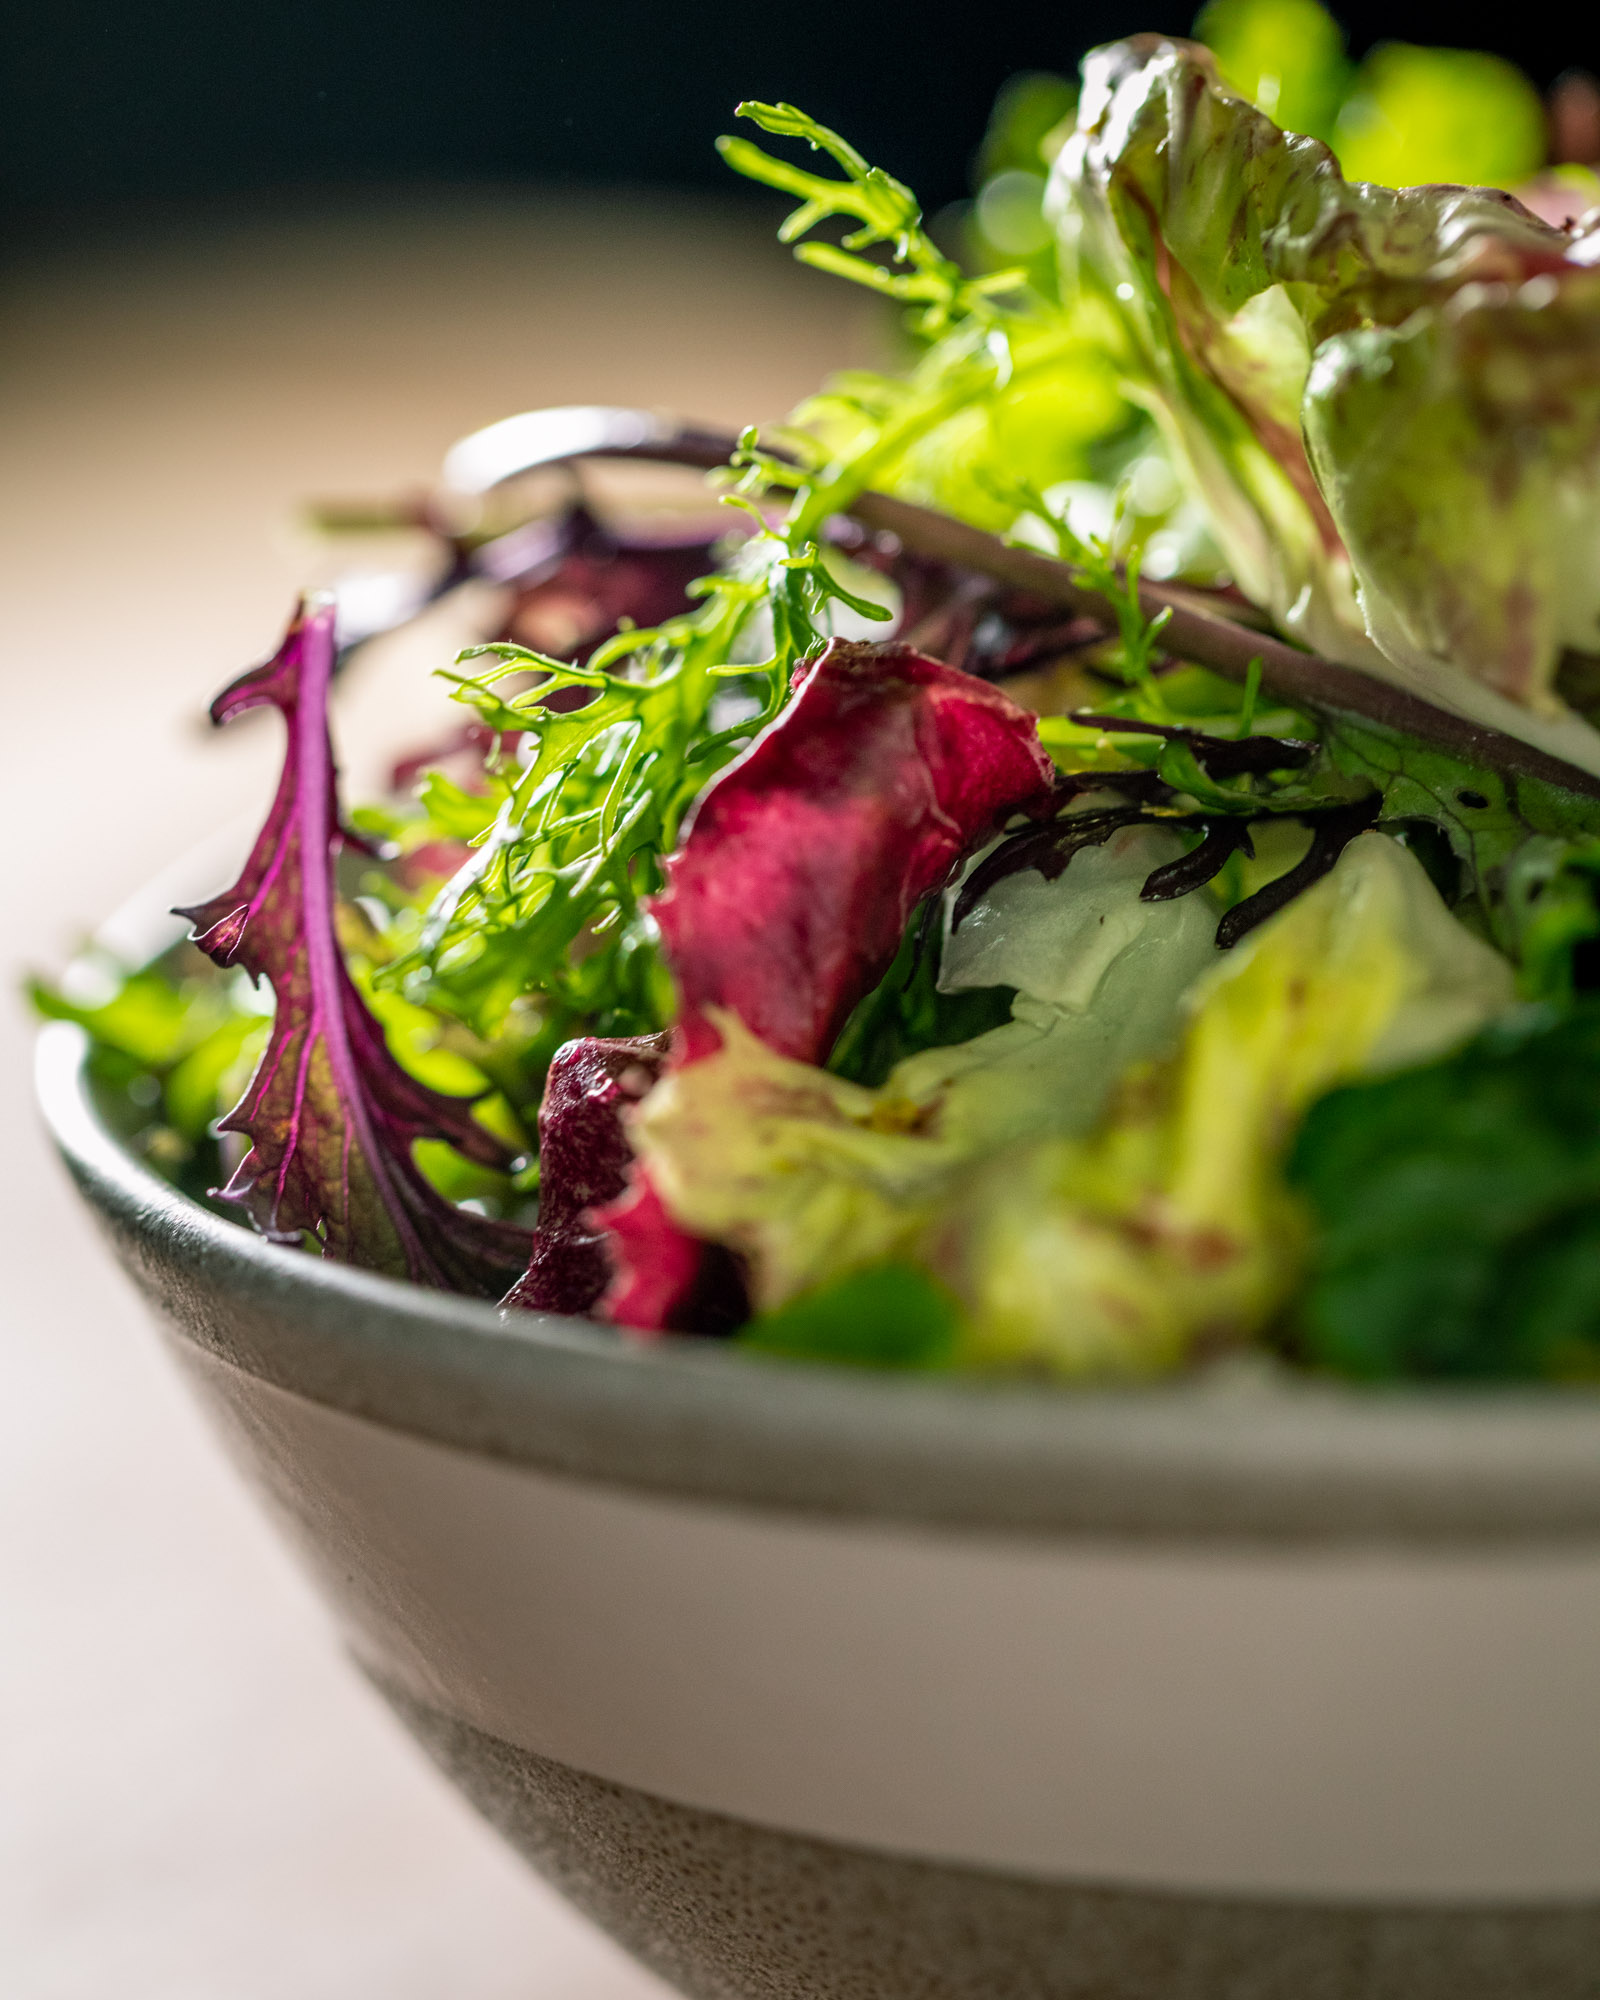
<point>1234,1458</point>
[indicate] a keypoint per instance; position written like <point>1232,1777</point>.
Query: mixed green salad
<point>1095,866</point>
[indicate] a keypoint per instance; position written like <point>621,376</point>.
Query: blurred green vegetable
<point>1458,1211</point>
<point>1030,121</point>
<point>1420,115</point>
<point>1286,56</point>
<point>178,1040</point>
<point>1406,117</point>
<point>887,1316</point>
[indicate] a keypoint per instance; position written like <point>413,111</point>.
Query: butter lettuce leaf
<point>1169,1232</point>
<point>1095,944</point>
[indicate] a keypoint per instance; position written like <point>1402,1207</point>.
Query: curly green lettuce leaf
<point>1457,1211</point>
<point>1408,333</point>
<point>1169,1232</point>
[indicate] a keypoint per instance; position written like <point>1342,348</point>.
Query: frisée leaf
<point>884,210</point>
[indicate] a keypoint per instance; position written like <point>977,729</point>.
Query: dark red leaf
<point>584,1158</point>
<point>802,863</point>
<point>330,1115</point>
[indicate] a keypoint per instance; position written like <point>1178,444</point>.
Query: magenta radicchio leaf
<point>800,866</point>
<point>330,1115</point>
<point>795,880</point>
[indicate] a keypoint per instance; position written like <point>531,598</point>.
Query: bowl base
<point>729,1911</point>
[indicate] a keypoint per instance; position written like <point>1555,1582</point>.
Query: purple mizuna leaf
<point>331,1117</point>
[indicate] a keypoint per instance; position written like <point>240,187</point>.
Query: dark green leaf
<point>890,1316</point>
<point>1458,1210</point>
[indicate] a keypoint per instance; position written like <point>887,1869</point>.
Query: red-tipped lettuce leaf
<point>796,878</point>
<point>330,1115</point>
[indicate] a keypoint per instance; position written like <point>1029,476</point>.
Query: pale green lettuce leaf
<point>1168,1232</point>
<point>1060,942</point>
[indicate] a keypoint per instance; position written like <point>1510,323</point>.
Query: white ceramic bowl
<point>811,1682</point>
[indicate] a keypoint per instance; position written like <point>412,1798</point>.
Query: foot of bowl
<point>730,1911</point>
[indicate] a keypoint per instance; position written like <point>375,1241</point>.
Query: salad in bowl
<point>1090,867</point>
<point>1078,863</point>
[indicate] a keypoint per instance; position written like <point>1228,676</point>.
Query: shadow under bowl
<point>816,1684</point>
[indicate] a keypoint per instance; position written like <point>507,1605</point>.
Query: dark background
<point>109,105</point>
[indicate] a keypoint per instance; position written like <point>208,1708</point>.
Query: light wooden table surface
<point>198,1798</point>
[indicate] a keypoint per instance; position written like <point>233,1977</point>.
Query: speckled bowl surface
<point>811,1682</point>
